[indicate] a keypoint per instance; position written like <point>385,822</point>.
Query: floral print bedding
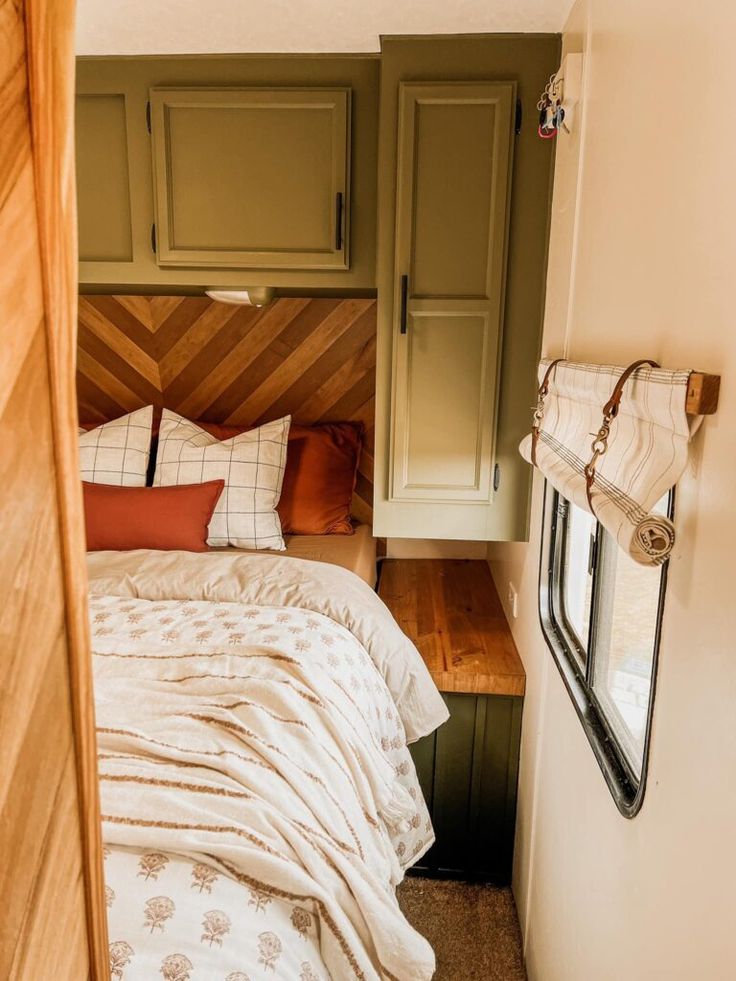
<point>259,800</point>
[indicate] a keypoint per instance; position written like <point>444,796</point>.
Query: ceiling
<point>281,26</point>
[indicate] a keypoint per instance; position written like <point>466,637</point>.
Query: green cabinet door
<point>251,178</point>
<point>103,182</point>
<point>453,184</point>
<point>468,772</point>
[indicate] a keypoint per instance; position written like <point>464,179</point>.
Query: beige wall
<point>642,265</point>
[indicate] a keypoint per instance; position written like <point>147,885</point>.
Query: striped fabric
<point>645,455</point>
<point>117,452</point>
<point>252,466</point>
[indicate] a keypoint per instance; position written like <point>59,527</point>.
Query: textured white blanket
<point>259,742</point>
<point>274,580</point>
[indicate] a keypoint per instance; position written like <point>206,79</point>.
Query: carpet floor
<point>473,928</point>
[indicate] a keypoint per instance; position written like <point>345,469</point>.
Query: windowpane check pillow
<point>252,466</point>
<point>117,452</point>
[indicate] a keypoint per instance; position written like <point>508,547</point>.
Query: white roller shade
<point>642,452</point>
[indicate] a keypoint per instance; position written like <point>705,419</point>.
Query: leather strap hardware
<point>610,411</point>
<point>539,410</point>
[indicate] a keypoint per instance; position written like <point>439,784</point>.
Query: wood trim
<point>702,394</point>
<point>49,32</point>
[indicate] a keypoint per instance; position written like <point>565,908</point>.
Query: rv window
<point>601,615</point>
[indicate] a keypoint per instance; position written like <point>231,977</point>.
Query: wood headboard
<point>312,358</point>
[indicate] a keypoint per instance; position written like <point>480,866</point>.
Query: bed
<point>356,552</point>
<point>259,801</point>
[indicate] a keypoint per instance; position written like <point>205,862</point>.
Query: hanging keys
<point>551,113</point>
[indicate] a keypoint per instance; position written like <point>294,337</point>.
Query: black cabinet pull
<point>404,300</point>
<point>338,221</point>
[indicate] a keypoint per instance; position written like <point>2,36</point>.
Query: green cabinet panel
<point>103,183</point>
<point>116,231</point>
<point>251,178</point>
<point>463,203</point>
<point>453,187</point>
<point>468,772</point>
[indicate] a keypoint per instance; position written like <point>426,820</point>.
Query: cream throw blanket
<point>255,738</point>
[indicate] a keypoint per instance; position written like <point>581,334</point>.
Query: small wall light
<point>254,296</point>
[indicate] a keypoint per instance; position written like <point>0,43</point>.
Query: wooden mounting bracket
<point>702,394</point>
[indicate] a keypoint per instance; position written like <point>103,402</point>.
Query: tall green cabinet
<point>463,207</point>
<point>453,183</point>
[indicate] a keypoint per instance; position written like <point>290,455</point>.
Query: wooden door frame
<point>50,66</point>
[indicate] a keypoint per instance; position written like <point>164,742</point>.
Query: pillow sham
<point>319,480</point>
<point>162,518</point>
<point>252,466</point>
<point>117,452</point>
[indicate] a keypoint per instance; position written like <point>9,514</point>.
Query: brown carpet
<point>473,928</point>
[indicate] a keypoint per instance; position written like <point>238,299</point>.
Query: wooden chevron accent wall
<point>312,358</point>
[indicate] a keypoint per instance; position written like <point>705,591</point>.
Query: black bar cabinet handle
<point>404,299</point>
<point>338,221</point>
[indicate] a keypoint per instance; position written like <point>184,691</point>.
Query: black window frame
<point>626,787</point>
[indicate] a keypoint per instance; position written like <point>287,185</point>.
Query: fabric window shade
<point>645,453</point>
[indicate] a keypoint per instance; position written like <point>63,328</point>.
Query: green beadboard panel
<point>468,772</point>
<point>423,754</point>
<point>451,813</point>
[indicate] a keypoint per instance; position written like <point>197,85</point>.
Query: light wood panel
<point>312,358</point>
<point>53,921</point>
<point>451,610</point>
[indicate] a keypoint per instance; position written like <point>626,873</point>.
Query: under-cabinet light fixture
<point>254,296</point>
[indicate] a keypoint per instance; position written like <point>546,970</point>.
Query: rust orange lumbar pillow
<point>319,480</point>
<point>164,518</point>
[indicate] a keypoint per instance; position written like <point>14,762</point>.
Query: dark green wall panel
<point>468,771</point>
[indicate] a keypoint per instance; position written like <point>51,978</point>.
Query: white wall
<point>643,264</point>
<point>192,26</point>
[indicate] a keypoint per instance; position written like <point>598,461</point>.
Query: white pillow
<point>252,466</point>
<point>117,452</point>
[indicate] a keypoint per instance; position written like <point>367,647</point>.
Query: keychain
<point>551,113</point>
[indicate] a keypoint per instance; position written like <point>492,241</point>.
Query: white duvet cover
<point>259,801</point>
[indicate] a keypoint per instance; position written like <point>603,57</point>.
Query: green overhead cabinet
<point>103,199</point>
<point>453,185</point>
<point>463,211</point>
<point>231,171</point>
<point>251,178</point>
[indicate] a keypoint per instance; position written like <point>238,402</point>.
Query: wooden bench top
<point>451,610</point>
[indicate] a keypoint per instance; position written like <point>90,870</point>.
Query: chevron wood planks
<point>312,358</point>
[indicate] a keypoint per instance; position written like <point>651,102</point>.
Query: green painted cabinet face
<point>468,772</point>
<point>103,198</point>
<point>251,178</point>
<point>453,184</point>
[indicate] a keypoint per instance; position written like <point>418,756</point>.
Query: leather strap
<point>610,411</point>
<point>539,411</point>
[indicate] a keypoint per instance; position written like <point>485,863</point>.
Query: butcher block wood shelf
<point>468,768</point>
<point>451,610</point>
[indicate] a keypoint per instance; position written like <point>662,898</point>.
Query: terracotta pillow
<point>321,468</point>
<point>164,518</point>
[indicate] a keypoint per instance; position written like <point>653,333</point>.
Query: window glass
<point>577,572</point>
<point>626,624</point>
<point>601,615</point>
